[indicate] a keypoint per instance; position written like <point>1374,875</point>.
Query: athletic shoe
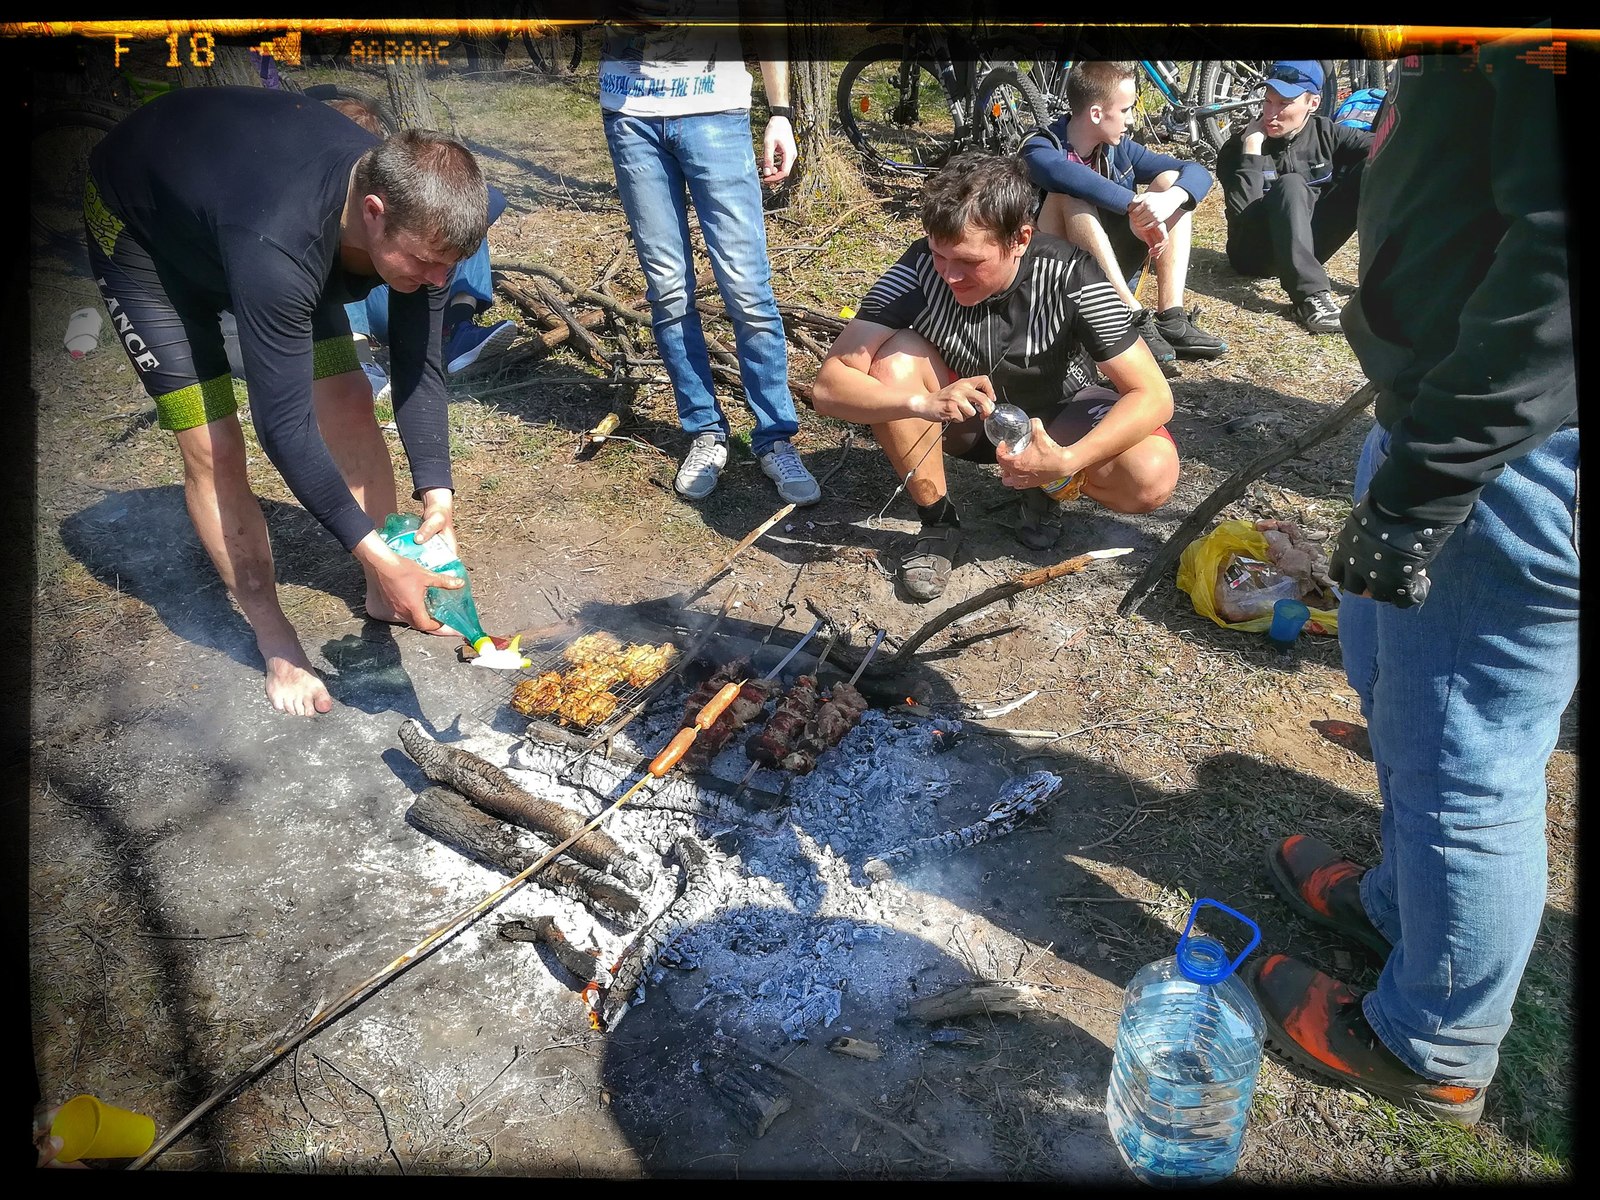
<point>1318,313</point>
<point>1144,322</point>
<point>378,380</point>
<point>782,465</point>
<point>469,343</point>
<point>926,569</point>
<point>701,467</point>
<point>1181,333</point>
<point>1315,1022</point>
<point>1039,524</point>
<point>1323,888</point>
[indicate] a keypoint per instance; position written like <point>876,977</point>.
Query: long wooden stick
<point>748,540</point>
<point>1233,487</point>
<point>1000,591</point>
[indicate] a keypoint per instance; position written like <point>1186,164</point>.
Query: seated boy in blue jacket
<point>1091,169</point>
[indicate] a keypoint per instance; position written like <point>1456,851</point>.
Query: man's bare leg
<point>346,421</point>
<point>909,360</point>
<point>1172,265</point>
<point>1079,222</point>
<point>226,515</point>
<point>1139,480</point>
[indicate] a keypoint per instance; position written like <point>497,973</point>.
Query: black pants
<point>1292,230</point>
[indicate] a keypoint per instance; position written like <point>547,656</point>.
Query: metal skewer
<point>871,650</point>
<point>895,495</point>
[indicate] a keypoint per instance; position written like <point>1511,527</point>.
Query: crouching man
<point>986,310</point>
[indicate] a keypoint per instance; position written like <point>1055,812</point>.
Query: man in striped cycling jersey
<point>987,310</point>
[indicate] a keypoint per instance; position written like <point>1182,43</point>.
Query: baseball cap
<point>1290,77</point>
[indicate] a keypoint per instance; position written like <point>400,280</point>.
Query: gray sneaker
<point>697,477</point>
<point>781,464</point>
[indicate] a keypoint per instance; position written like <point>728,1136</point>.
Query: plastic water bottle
<point>453,607</point>
<point>1187,1056</point>
<point>1009,426</point>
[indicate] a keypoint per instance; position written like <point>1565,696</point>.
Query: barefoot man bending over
<point>253,201</point>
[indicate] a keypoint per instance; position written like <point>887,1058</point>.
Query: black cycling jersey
<point>1037,340</point>
<point>236,194</point>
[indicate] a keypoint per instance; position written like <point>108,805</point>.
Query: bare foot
<point>379,609</point>
<point>292,686</point>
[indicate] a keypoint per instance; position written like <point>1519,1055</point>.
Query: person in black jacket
<point>1459,564</point>
<point>1291,180</point>
<point>282,212</point>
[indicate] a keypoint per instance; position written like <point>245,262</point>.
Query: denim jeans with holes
<point>1463,698</point>
<point>662,163</point>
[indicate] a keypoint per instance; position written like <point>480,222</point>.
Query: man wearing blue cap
<point>1291,180</point>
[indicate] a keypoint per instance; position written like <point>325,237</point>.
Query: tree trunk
<point>228,66</point>
<point>810,94</point>
<point>408,96</point>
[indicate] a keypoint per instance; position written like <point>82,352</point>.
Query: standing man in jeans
<point>1291,180</point>
<point>1459,625</point>
<point>676,105</point>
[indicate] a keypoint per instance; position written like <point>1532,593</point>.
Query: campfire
<point>766,859</point>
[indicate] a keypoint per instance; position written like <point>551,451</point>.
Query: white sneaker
<point>378,380</point>
<point>781,464</point>
<point>701,466</point>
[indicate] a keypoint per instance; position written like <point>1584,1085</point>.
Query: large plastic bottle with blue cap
<point>1187,1056</point>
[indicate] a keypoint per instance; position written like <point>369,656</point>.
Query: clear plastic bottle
<point>1187,1056</point>
<point>1010,427</point>
<point>453,607</point>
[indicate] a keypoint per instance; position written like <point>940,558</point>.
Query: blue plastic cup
<point>1288,619</point>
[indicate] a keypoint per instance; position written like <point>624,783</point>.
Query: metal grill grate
<point>592,719</point>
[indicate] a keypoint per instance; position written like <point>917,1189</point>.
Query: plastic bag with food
<point>1260,579</point>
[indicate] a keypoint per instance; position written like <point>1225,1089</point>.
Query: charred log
<point>492,790</point>
<point>755,1101</point>
<point>1019,799</point>
<point>447,816</point>
<point>543,930</point>
<point>698,897</point>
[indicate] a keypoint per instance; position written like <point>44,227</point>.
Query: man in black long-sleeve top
<point>1291,180</point>
<point>282,210</point>
<point>1459,564</point>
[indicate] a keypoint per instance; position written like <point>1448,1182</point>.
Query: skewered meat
<point>788,724</point>
<point>838,715</point>
<point>538,696</point>
<point>706,692</point>
<point>746,706</point>
<point>591,647</point>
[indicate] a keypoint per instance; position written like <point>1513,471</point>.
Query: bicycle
<point>908,106</point>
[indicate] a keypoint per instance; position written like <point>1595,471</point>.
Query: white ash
<point>799,925</point>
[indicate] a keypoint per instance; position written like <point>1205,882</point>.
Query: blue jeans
<point>1463,698</point>
<point>371,316</point>
<point>661,162</point>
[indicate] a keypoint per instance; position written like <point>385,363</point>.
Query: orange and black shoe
<point>1315,1022</point>
<point>1324,888</point>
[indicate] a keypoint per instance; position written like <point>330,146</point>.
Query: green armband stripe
<point>104,225</point>
<point>334,356</point>
<point>198,404</point>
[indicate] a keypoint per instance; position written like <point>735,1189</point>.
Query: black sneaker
<point>1318,313</point>
<point>1178,328</point>
<point>1144,322</point>
<point>925,568</point>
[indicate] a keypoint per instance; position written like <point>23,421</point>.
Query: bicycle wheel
<point>337,91</point>
<point>1226,82</point>
<point>895,110</point>
<point>557,53</point>
<point>58,171</point>
<point>1009,108</point>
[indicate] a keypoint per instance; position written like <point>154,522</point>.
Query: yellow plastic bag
<point>1203,559</point>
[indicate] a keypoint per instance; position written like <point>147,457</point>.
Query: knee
<point>1288,190</point>
<point>1163,181</point>
<point>214,450</point>
<point>899,368</point>
<point>1149,474</point>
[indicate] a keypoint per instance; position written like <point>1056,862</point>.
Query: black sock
<point>940,512</point>
<point>1171,314</point>
<point>455,314</point>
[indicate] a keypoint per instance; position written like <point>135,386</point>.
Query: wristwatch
<point>781,110</point>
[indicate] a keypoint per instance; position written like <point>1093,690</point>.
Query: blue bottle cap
<point>1202,959</point>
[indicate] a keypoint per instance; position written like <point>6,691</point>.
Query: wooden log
<point>754,1100</point>
<point>977,999</point>
<point>556,304</point>
<point>492,790</point>
<point>1231,488</point>
<point>447,816</point>
<point>856,1048</point>
<point>579,964</point>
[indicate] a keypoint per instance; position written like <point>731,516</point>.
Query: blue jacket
<point>1131,164</point>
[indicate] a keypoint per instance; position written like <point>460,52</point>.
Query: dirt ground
<point>205,874</point>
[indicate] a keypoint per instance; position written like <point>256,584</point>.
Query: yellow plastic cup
<point>91,1128</point>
